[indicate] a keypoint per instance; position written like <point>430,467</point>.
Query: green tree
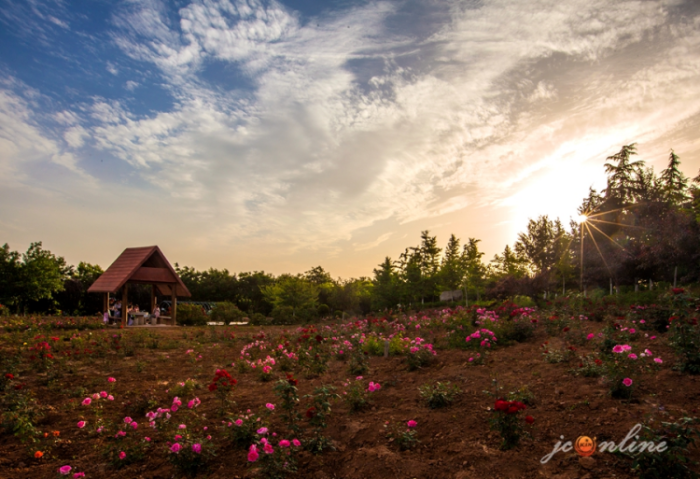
<point>293,292</point>
<point>474,268</point>
<point>508,264</point>
<point>10,276</point>
<point>620,170</point>
<point>673,182</point>
<point>452,269</point>
<point>387,286</point>
<point>41,275</point>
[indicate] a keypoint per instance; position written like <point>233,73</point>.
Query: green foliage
<point>191,315</point>
<point>676,461</point>
<point>318,415</point>
<point>356,396</point>
<point>293,294</point>
<point>286,390</point>
<point>439,395</point>
<point>226,313</point>
<point>405,437</point>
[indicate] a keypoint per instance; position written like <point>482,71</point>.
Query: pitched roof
<point>146,264</point>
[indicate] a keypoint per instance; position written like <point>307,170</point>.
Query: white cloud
<point>349,124</point>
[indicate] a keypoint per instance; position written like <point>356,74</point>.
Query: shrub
<point>673,462</point>
<point>404,435</point>
<point>439,395</point>
<point>226,312</point>
<point>258,319</point>
<point>507,421</point>
<point>191,315</point>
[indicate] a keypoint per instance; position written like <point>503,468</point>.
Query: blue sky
<point>282,135</point>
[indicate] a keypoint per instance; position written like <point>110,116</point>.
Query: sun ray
<point>612,240</point>
<point>617,224</point>
<point>599,252</point>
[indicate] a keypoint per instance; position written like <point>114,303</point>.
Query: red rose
<point>311,412</point>
<point>529,419</point>
<point>9,376</point>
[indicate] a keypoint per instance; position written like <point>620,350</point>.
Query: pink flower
<point>86,402</point>
<point>632,356</point>
<point>411,423</point>
<point>128,420</point>
<point>617,349</point>
<point>103,394</point>
<point>658,360</point>
<point>100,429</point>
<point>253,453</point>
<point>182,426</point>
<point>110,397</point>
<point>78,475</point>
<point>296,442</point>
<point>96,396</point>
<point>120,434</point>
<point>111,380</point>
<point>268,449</point>
<point>122,455</point>
<point>177,437</point>
<point>81,424</point>
<point>147,439</point>
<point>590,336</point>
<point>175,448</point>
<point>632,331</point>
<point>262,430</point>
<point>174,408</point>
<point>270,406</point>
<point>239,422</point>
<point>134,425</point>
<point>653,337</point>
<point>64,470</point>
<point>627,382</point>
<point>626,347</point>
<point>197,448</point>
<point>284,443</point>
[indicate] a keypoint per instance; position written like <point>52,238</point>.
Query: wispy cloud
<point>345,121</point>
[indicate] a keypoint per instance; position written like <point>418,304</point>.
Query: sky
<point>281,135</point>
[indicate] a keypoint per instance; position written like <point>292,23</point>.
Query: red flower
<point>212,387</point>
<point>9,376</point>
<point>319,338</point>
<point>598,362</point>
<point>566,329</point>
<point>291,380</point>
<point>501,405</point>
<point>678,290</point>
<point>529,419</point>
<point>311,412</point>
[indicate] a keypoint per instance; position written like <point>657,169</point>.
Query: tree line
<point>641,229</point>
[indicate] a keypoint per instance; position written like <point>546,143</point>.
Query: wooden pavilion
<point>144,265</point>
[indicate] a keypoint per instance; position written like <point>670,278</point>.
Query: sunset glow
<point>278,135</point>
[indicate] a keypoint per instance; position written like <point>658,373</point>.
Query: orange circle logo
<point>585,446</point>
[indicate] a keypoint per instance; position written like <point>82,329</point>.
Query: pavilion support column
<point>153,300</point>
<point>174,305</point>
<point>105,306</point>
<point>125,305</point>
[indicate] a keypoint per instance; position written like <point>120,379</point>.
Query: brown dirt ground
<point>455,441</point>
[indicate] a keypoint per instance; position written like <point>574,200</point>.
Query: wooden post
<point>386,348</point>
<point>125,305</point>
<point>106,304</point>
<point>651,285</point>
<point>174,305</point>
<point>675,273</point>
<point>610,286</point>
<point>153,302</point>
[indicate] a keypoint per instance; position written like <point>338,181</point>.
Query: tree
<point>508,264</point>
<point>387,286</point>
<point>452,269</point>
<point>10,276</point>
<point>293,292</point>
<point>673,181</point>
<point>474,269</point>
<point>620,174</point>
<point>541,246</point>
<point>41,274</point>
